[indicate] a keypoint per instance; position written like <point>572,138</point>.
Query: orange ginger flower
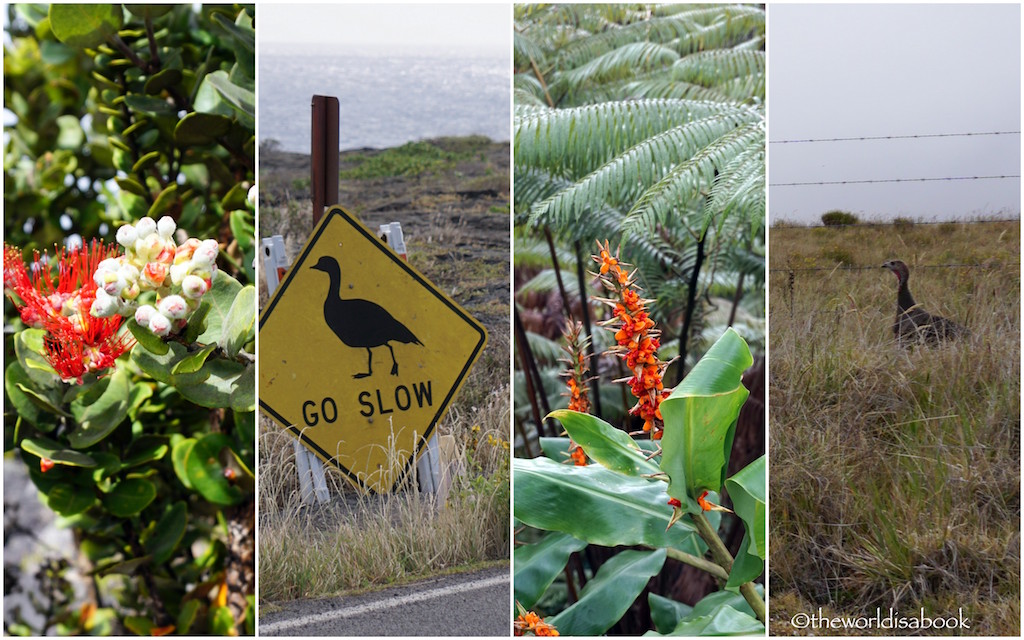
<point>530,622</point>
<point>579,366</point>
<point>637,340</point>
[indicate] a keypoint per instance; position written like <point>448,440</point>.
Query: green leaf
<point>193,362</point>
<point>239,322</point>
<point>99,418</point>
<point>181,449</point>
<point>162,80</point>
<point>725,621</point>
<point>23,405</point>
<point>226,384</point>
<point>129,497</point>
<point>603,443</point>
<point>163,201</point>
<point>46,448</point>
<point>138,625</point>
<point>749,494</point>
<point>162,537</point>
<point>131,185</point>
<point>746,566</point>
<point>665,612</point>
<point>71,135</point>
<point>146,338</point>
<point>221,296</point>
<point>199,129</point>
<point>40,400</point>
<point>149,10</point>
<point>28,347</point>
<point>186,617</point>
<point>149,104</point>
<point>700,420</point>
<point>205,472</point>
<point>197,323</point>
<point>598,506</point>
<point>222,623</point>
<point>537,565</point>
<point>146,448</point>
<point>146,161</point>
<point>609,594</point>
<point>242,101</point>
<point>85,25</point>
<point>69,499</point>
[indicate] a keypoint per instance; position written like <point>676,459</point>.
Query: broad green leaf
<point>725,621</point>
<point>226,384</point>
<point>22,404</point>
<point>149,10</point>
<point>149,104</point>
<point>749,493</point>
<point>181,448</point>
<point>746,566</point>
<point>162,80</point>
<point>221,296</point>
<point>28,347</point>
<point>146,449</point>
<point>69,499</point>
<point>222,623</point>
<point>239,321</point>
<point>85,25</point>
<point>71,135</point>
<point>205,472</point>
<point>556,449</point>
<point>163,201</point>
<point>598,506</point>
<point>159,366</point>
<point>197,323</point>
<point>186,617</point>
<point>40,400</point>
<point>46,448</point>
<point>714,601</point>
<point>146,338</point>
<point>604,444</point>
<point>162,536</point>
<point>194,361</point>
<point>240,100</point>
<point>129,497</point>
<point>537,565</point>
<point>199,129</point>
<point>700,420</point>
<point>99,418</point>
<point>609,593</point>
<point>138,625</point>
<point>665,612</point>
<point>146,161</point>
<point>131,185</point>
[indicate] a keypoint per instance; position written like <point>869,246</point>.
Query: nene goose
<point>914,324</point>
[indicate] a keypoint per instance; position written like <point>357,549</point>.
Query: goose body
<point>361,323</point>
<point>914,324</point>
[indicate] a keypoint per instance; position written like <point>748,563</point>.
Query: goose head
<point>327,264</point>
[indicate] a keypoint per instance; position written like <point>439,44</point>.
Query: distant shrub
<point>947,228</point>
<point>903,224</point>
<point>838,218</point>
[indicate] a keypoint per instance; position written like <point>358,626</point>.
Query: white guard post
<point>428,469</point>
<point>312,482</point>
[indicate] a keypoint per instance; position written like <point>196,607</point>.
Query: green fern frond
<point>623,62</point>
<point>713,68</point>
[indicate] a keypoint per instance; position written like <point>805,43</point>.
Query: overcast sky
<point>486,28</point>
<point>894,70</point>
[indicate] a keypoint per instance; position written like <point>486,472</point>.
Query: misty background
<point>864,71</point>
<point>400,72</point>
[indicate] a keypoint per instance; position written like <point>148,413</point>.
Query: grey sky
<point>892,70</point>
<point>482,27</point>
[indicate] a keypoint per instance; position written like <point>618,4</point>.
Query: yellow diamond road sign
<point>360,354</point>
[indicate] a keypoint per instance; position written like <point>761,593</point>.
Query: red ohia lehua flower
<point>76,342</point>
<point>637,340</point>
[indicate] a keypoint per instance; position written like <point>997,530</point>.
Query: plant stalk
<point>595,388</point>
<point>724,560</point>
<point>700,563</point>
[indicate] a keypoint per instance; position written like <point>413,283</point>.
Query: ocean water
<point>385,99</point>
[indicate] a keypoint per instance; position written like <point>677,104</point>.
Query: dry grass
<point>895,473</point>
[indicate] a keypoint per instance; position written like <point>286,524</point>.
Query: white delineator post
<point>312,483</point>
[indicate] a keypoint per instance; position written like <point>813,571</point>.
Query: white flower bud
<point>159,324</point>
<point>166,226</point>
<point>174,307</point>
<point>193,287</point>
<point>144,313</point>
<point>145,227</point>
<point>205,254</point>
<point>179,272</point>
<point>126,236</point>
<point>251,196</point>
<point>104,305</point>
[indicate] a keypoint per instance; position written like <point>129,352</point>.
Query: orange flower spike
<point>710,506</point>
<point>579,458</point>
<point>545,629</point>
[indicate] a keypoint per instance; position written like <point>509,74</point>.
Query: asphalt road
<point>466,604</point>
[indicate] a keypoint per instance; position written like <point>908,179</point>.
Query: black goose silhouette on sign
<point>361,323</point>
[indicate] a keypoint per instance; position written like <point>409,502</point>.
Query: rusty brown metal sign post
<point>324,155</point>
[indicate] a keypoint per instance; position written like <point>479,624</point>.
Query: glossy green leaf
<point>146,161</point>
<point>186,617</point>
<point>199,129</point>
<point>206,473</point>
<point>221,296</point>
<point>725,621</point>
<point>194,361</point>
<point>146,338</point>
<point>226,384</point>
<point>222,623</point>
<point>162,537</point>
<point>537,565</point>
<point>748,491</point>
<point>149,104</point>
<point>162,80</point>
<point>666,612</point>
<point>163,201</point>
<point>129,497</point>
<point>598,506</point>
<point>28,347</point>
<point>604,444</point>
<point>131,185</point>
<point>146,448</point>
<point>197,323</point>
<point>746,566</point>
<point>69,499</point>
<point>149,10</point>
<point>42,401</point>
<point>241,100</point>
<point>700,420</point>
<point>52,450</point>
<point>239,322</point>
<point>22,404</point>
<point>85,25</point>
<point>99,418</point>
<point>138,625</point>
<point>181,449</point>
<point>609,594</point>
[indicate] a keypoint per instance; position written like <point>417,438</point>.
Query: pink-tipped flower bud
<point>183,254</point>
<point>126,236</point>
<point>174,307</point>
<point>194,287</point>
<point>145,226</point>
<point>109,281</point>
<point>132,291</point>
<point>153,276</point>
<point>205,254</point>
<point>144,313</point>
<point>179,272</point>
<point>159,324</point>
<point>104,305</point>
<point>166,226</point>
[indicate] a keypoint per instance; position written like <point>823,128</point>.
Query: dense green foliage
<point>118,114</point>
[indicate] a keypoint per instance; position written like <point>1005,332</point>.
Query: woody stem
<point>724,559</point>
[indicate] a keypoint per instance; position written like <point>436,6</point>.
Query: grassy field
<point>451,196</point>
<point>895,474</point>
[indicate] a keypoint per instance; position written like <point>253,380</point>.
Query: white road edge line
<point>389,603</point>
